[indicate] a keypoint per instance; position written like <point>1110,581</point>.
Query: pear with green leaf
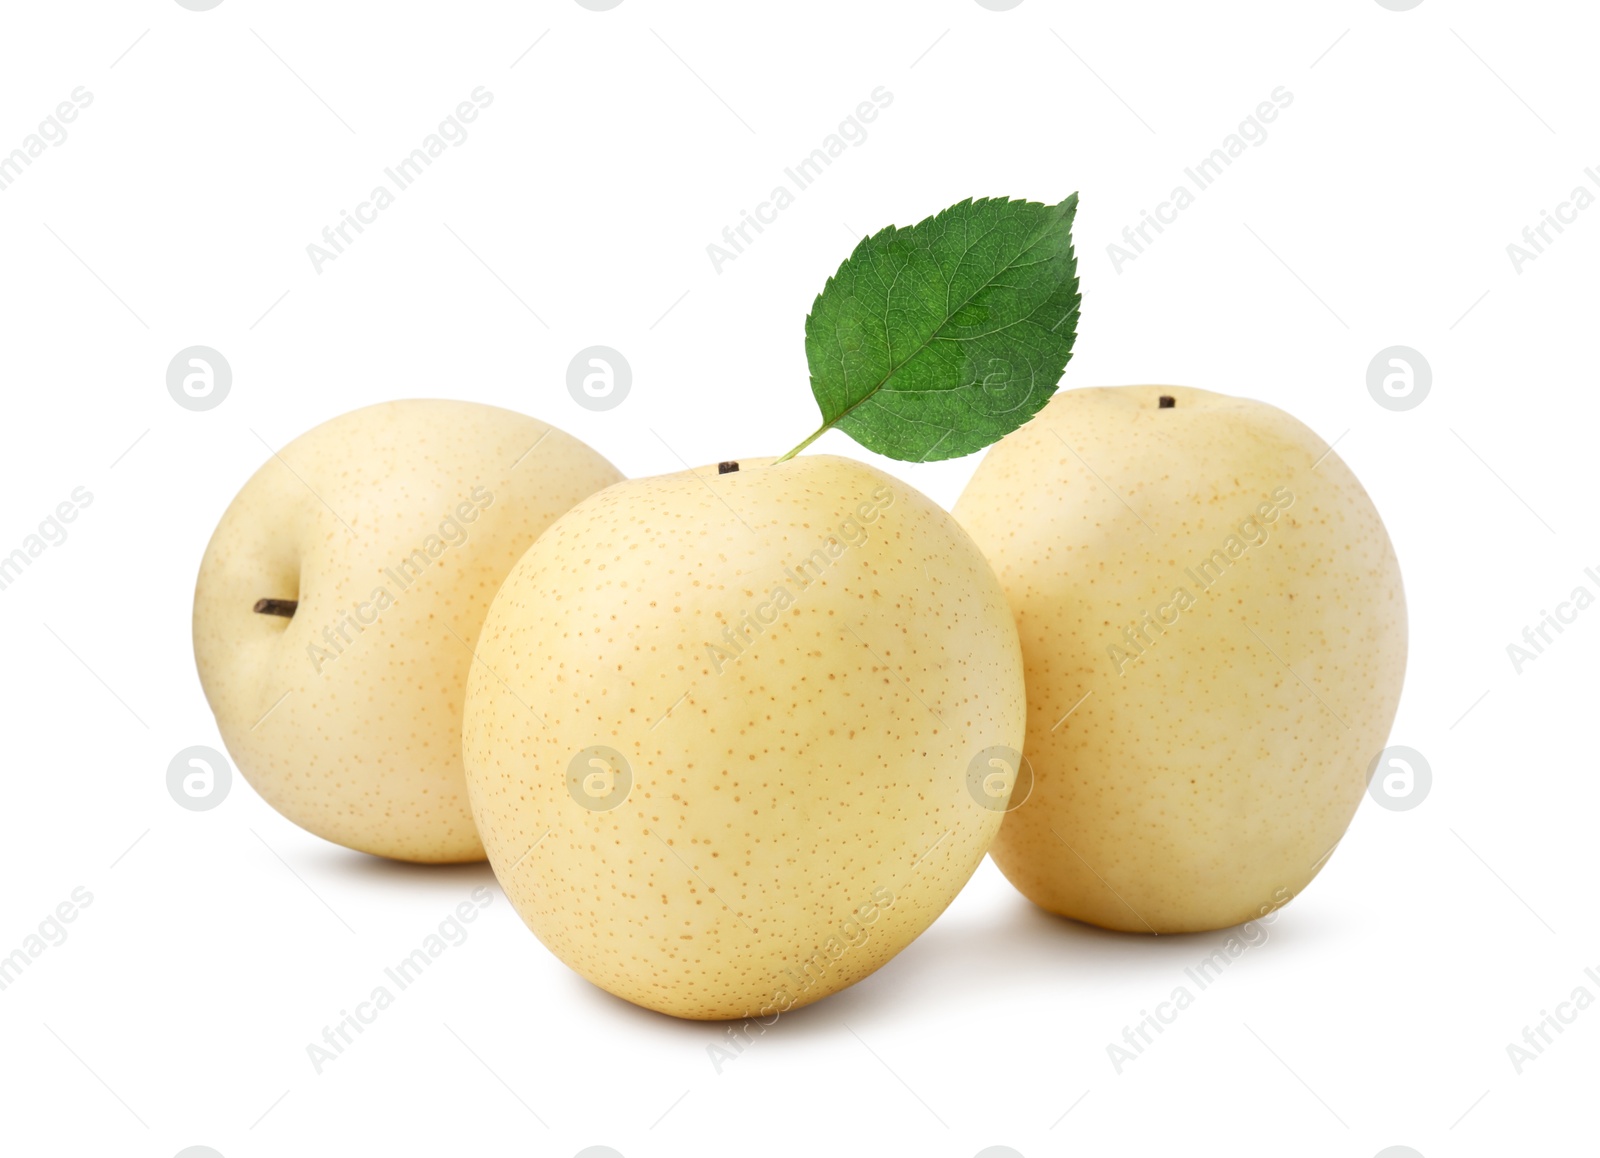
<point>738,735</point>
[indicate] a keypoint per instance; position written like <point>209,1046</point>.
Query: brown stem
<point>283,607</point>
<point>1168,402</point>
<point>727,467</point>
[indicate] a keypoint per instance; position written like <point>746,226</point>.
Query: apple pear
<point>339,600</point>
<point>740,734</point>
<point>1214,633</point>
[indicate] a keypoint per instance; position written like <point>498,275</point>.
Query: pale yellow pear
<point>378,539</point>
<point>1214,631</point>
<point>722,739</point>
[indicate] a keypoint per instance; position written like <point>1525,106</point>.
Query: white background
<point>1378,211</point>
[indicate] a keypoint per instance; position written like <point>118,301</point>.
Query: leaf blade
<point>935,340</point>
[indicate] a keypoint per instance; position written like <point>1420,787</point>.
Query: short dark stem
<point>1168,402</point>
<point>283,607</point>
<point>727,467</point>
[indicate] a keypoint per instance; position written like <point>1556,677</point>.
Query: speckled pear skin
<point>1202,777</point>
<point>356,736</point>
<point>795,818</point>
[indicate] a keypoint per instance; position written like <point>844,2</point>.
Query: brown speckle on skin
<point>1276,772</point>
<point>366,751</point>
<point>776,802</point>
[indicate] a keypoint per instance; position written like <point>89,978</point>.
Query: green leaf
<point>933,342</point>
